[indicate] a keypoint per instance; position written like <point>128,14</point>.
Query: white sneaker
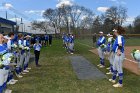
<point>13,80</point>
<point>109,73</point>
<point>108,68</point>
<point>25,71</point>
<point>29,68</point>
<point>101,66</point>
<point>71,53</point>
<point>8,91</point>
<point>11,83</point>
<point>111,80</point>
<point>19,76</point>
<point>118,85</point>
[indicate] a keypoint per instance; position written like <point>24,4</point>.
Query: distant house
<point>6,26</point>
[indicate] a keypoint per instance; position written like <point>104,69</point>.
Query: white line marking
<point>130,60</point>
<point>125,58</point>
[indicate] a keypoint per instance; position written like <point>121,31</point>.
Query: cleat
<point>109,73</point>
<point>101,66</point>
<point>118,85</point>
<point>108,68</point>
<point>29,68</point>
<point>13,80</point>
<point>19,76</point>
<point>25,71</point>
<point>111,80</point>
<point>8,91</point>
<point>71,53</point>
<point>11,83</point>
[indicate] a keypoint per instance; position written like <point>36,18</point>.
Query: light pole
<point>22,25</point>
<point>69,21</point>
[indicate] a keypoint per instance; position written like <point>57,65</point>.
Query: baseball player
<point>26,43</point>
<point>118,50</point>
<point>100,42</point>
<point>110,53</point>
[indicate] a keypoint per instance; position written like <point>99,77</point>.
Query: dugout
<point>6,26</point>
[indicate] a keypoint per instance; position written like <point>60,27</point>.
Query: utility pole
<point>22,25</point>
<point>6,14</point>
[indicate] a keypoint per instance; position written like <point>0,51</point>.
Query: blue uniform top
<point>15,38</point>
<point>2,49</point>
<point>101,40</point>
<point>66,39</point>
<point>46,37</point>
<point>27,43</point>
<point>20,42</point>
<point>63,37</point>
<point>119,40</point>
<point>71,39</point>
<point>5,46</point>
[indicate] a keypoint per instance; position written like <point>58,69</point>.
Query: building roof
<point>2,20</point>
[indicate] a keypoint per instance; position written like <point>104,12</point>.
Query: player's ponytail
<point>120,30</point>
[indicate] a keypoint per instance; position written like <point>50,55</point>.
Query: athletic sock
<point>120,78</point>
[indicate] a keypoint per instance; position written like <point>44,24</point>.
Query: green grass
<point>57,76</point>
<point>129,41</point>
<point>133,42</point>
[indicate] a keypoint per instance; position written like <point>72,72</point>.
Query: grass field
<point>129,41</point>
<point>57,76</point>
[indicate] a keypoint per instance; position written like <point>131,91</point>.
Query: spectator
<point>50,40</point>
<point>94,39</point>
<point>46,40</point>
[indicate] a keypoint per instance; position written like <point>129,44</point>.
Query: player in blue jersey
<point>110,42</point>
<point>118,50</point>
<point>26,44</point>
<point>3,69</point>
<point>71,44</point>
<point>100,42</point>
<point>21,56</point>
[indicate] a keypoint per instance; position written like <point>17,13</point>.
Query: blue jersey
<point>3,49</point>
<point>66,39</point>
<point>46,37</point>
<point>101,40</point>
<point>15,38</point>
<point>71,40</point>
<point>27,43</point>
<point>119,40</point>
<point>20,42</point>
<point>63,37</point>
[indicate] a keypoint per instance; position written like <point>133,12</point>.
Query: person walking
<point>37,47</point>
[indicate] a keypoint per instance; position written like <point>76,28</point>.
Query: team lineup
<point>15,56</point>
<point>115,51</point>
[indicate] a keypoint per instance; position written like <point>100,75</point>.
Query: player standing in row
<point>27,56</point>
<point>101,42</point>
<point>119,55</point>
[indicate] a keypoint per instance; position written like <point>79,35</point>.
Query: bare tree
<point>42,26</point>
<point>117,14</point>
<point>97,24</point>
<point>52,16</point>
<point>137,25</point>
